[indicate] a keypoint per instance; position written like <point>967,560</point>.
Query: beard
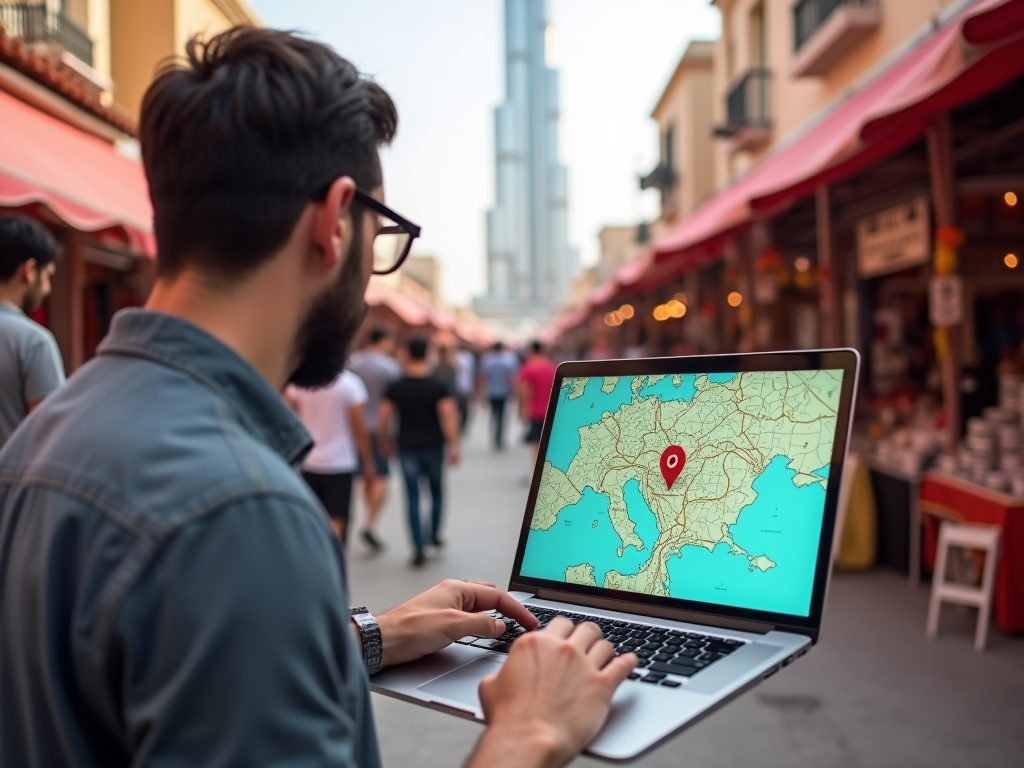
<point>34,297</point>
<point>332,323</point>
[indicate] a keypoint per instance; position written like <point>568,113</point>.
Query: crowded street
<point>875,692</point>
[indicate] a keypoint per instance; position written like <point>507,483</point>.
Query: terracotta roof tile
<point>48,70</point>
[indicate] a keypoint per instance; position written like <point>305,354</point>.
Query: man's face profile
<point>332,322</point>
<point>39,287</point>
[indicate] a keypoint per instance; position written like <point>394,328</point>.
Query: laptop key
<point>468,640</point>
<point>671,683</point>
<point>663,657</point>
<point>673,669</point>
<point>486,642</point>
<point>688,653</point>
<point>634,675</point>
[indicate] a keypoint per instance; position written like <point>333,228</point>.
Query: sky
<point>442,61</point>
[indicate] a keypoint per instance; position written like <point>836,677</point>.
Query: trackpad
<point>461,684</point>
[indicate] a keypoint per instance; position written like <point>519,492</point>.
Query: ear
<point>332,229</point>
<point>28,271</point>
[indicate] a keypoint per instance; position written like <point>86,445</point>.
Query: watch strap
<point>369,632</point>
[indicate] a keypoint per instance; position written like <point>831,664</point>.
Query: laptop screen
<point>699,487</point>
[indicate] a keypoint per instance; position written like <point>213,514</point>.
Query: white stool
<point>974,537</point>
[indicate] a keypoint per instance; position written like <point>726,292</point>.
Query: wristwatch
<point>369,631</point>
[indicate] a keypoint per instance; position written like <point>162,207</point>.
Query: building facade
<point>72,75</point>
<point>530,264</point>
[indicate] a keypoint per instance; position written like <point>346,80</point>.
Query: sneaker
<point>436,541</point>
<point>372,541</point>
<point>418,560</point>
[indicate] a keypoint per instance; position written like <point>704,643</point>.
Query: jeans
<point>498,420</point>
<point>417,465</point>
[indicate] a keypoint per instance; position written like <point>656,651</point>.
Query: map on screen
<point>707,487</point>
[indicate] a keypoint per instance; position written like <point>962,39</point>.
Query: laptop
<point>686,505</point>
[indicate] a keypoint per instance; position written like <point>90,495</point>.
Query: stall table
<point>899,519</point>
<point>973,504</point>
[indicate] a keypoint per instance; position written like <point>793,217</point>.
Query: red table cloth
<point>973,504</point>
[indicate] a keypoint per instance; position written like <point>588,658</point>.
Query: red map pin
<point>673,459</point>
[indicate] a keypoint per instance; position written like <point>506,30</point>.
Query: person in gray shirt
<point>375,365</point>
<point>171,593</point>
<point>30,362</point>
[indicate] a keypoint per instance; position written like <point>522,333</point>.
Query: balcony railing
<point>811,15</point>
<point>747,103</point>
<point>35,24</point>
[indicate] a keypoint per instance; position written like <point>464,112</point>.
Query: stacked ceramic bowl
<point>982,450</point>
<point>909,450</point>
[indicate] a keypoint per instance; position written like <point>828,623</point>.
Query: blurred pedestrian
<point>497,372</point>
<point>465,366</point>
<point>536,378</point>
<point>376,366</point>
<point>30,361</point>
<point>446,369</point>
<point>427,426</point>
<point>335,419</point>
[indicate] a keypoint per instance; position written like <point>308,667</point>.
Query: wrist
<point>534,745</point>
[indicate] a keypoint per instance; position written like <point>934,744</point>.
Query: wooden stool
<point>974,537</point>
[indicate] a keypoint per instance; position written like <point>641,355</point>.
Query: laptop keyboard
<point>664,654</point>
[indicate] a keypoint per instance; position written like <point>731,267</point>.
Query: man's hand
<point>442,615</point>
<point>453,455</point>
<point>551,696</point>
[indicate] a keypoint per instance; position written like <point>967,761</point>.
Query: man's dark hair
<point>238,137</point>
<point>21,239</point>
<point>378,334</point>
<point>536,347</point>
<point>417,347</point>
<point>499,345</point>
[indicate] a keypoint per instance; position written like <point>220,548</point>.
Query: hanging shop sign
<point>946,300</point>
<point>893,239</point>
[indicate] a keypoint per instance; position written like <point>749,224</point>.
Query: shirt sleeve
<point>236,648</point>
<point>356,390</point>
<point>42,368</point>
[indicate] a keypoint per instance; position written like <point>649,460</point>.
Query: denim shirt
<point>171,593</point>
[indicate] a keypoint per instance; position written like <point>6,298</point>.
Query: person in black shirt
<point>427,425</point>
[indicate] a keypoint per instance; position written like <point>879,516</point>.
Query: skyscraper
<point>529,261</point>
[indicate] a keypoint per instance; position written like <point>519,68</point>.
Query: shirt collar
<point>14,309</point>
<point>177,343</point>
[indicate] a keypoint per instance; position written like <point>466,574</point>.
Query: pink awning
<point>81,179</point>
<point>942,72</point>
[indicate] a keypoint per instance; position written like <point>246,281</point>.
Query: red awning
<point>81,179</point>
<point>939,74</point>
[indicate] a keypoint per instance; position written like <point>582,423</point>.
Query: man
<point>497,372</point>
<point>465,374</point>
<point>428,424</point>
<point>334,419</point>
<point>536,378</point>
<point>376,366</point>
<point>30,362</point>
<point>170,590</point>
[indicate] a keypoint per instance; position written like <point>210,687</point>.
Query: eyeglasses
<point>395,233</point>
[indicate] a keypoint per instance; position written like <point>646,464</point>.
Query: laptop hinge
<point>674,614</point>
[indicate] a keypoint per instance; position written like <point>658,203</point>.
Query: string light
<point>735,299</point>
<point>627,311</point>
<point>1011,260</point>
<point>1010,198</point>
<point>661,313</point>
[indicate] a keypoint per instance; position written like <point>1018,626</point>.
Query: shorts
<point>380,464</point>
<point>533,431</point>
<point>334,491</point>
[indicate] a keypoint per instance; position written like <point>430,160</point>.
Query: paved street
<point>875,692</point>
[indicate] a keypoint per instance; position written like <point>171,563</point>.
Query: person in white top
<point>334,418</point>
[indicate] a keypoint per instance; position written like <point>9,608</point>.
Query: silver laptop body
<point>688,505</point>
